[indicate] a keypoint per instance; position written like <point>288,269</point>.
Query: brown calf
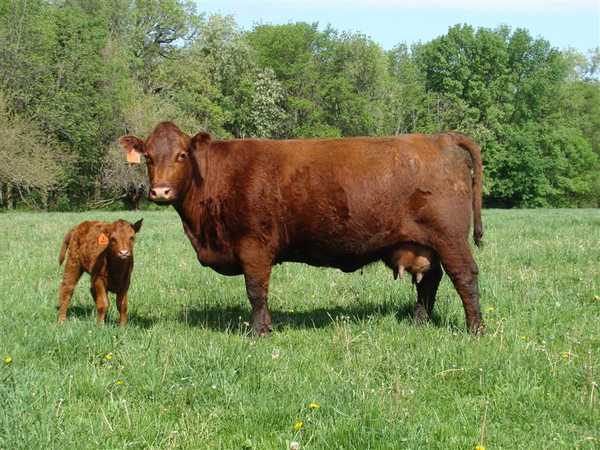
<point>105,251</point>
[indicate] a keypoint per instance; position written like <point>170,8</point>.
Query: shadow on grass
<point>88,312</point>
<point>235,318</point>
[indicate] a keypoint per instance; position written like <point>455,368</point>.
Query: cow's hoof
<point>262,330</point>
<point>261,327</point>
<point>477,329</point>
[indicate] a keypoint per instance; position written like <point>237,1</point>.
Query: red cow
<point>249,204</point>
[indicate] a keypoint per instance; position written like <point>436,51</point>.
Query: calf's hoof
<point>421,315</point>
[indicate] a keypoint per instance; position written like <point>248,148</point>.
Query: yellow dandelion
<point>566,355</point>
<point>298,425</point>
<point>8,360</point>
<point>108,357</point>
<point>490,309</point>
<point>479,447</point>
<point>119,382</point>
<point>313,405</point>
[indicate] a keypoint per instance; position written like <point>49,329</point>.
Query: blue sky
<point>565,23</point>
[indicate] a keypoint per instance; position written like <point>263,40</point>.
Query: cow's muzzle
<point>162,194</point>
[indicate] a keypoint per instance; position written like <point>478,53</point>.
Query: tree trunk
<point>9,196</point>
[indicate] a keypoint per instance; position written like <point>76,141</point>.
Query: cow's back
<point>333,200</point>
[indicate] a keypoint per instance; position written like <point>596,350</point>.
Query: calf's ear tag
<point>102,239</point>
<point>133,157</point>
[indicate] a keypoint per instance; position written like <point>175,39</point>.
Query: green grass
<point>185,374</point>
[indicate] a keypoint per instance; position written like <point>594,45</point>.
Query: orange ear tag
<point>133,157</point>
<point>102,239</point>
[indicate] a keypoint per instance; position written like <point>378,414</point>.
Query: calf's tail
<point>64,246</point>
<point>475,152</point>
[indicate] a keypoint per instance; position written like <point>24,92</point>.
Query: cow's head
<point>174,160</point>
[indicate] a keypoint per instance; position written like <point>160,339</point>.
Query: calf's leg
<point>122,307</point>
<point>70,278</point>
<point>101,298</point>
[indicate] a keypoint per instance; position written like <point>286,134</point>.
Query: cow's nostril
<point>161,193</point>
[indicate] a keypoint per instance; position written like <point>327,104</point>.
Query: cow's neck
<point>201,217</point>
<point>193,212</point>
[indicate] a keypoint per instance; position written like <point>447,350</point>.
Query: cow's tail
<point>64,246</point>
<point>475,152</point>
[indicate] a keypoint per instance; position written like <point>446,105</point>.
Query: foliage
<point>31,163</point>
<point>84,72</point>
<point>501,87</point>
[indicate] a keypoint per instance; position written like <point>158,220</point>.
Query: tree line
<point>77,74</point>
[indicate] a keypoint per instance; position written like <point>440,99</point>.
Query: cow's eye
<point>182,156</point>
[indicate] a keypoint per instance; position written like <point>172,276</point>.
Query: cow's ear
<point>199,152</point>
<point>136,226</point>
<point>133,147</point>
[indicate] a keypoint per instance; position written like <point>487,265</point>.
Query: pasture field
<point>185,373</point>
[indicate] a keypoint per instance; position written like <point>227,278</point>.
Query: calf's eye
<point>182,156</point>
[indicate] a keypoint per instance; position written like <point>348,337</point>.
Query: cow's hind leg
<point>71,277</point>
<point>460,266</point>
<point>426,292</point>
<point>257,271</point>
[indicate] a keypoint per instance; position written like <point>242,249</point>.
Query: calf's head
<point>173,160</point>
<point>121,238</point>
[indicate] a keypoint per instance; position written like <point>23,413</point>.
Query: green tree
<point>259,112</point>
<point>290,51</point>
<point>501,87</point>
<point>31,162</point>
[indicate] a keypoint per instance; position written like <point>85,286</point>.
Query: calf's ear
<point>199,153</point>
<point>133,147</point>
<point>136,226</point>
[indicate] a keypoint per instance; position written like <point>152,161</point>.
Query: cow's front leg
<point>257,271</point>
<point>257,287</point>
